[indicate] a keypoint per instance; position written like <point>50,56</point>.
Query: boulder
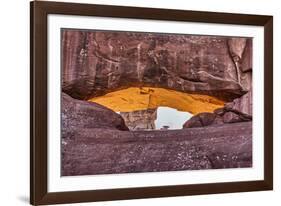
<point>231,117</point>
<point>242,105</point>
<point>200,120</point>
<point>78,115</point>
<point>239,110</point>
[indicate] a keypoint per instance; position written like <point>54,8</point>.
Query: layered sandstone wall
<point>140,119</point>
<point>97,62</point>
<point>95,139</point>
<point>239,110</point>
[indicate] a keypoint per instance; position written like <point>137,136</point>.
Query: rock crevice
<point>239,110</point>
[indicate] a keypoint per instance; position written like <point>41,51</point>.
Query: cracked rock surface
<point>239,110</point>
<point>107,151</point>
<point>95,139</point>
<point>97,62</point>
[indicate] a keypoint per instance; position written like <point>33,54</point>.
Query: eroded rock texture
<point>78,115</point>
<point>105,151</point>
<point>93,143</point>
<point>95,139</point>
<point>96,62</point>
<point>239,110</point>
<point>141,119</point>
<point>143,98</point>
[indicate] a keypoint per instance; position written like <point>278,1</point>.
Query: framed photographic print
<point>131,102</point>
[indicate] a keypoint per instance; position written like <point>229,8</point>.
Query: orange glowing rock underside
<point>136,98</point>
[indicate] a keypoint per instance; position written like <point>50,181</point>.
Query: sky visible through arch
<point>170,117</point>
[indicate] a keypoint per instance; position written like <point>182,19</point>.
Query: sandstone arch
<point>96,140</point>
<point>143,98</point>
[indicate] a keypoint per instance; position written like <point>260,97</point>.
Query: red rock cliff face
<point>95,139</point>
<point>95,63</point>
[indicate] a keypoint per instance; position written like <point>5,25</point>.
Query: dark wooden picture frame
<point>39,11</point>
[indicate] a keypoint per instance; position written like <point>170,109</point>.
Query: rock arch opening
<point>154,108</point>
<point>200,83</point>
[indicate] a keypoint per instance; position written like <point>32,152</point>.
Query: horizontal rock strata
<point>106,151</point>
<point>98,62</point>
<point>140,120</point>
<point>239,110</point>
<point>95,139</point>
